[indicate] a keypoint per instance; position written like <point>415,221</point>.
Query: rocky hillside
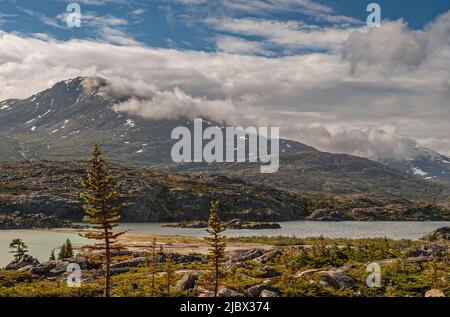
<point>53,188</point>
<point>322,172</point>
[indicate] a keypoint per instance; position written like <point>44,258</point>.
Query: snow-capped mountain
<point>63,122</point>
<point>427,164</point>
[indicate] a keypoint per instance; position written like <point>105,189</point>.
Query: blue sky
<point>311,67</point>
<point>192,24</point>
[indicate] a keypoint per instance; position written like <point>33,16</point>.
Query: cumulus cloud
<point>395,45</point>
<point>312,97</point>
<point>375,142</point>
<point>175,104</point>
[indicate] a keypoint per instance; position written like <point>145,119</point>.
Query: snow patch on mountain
<point>418,171</point>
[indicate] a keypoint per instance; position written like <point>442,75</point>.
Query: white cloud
<point>314,9</point>
<point>313,97</point>
<point>42,17</point>
<point>375,142</point>
<point>287,34</point>
<point>191,1</point>
<point>231,44</point>
<point>306,6</point>
<point>107,28</point>
<point>175,104</point>
<point>394,45</point>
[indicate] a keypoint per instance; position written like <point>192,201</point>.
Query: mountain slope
<point>326,173</point>
<point>426,164</point>
<point>53,188</point>
<point>63,122</point>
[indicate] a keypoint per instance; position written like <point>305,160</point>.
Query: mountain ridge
<point>53,189</point>
<point>63,122</point>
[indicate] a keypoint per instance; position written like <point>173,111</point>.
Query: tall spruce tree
<point>217,243</point>
<point>101,210</point>
<point>18,248</point>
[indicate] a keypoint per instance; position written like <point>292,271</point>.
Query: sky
<point>312,67</point>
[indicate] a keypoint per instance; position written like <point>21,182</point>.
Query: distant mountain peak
<point>426,163</point>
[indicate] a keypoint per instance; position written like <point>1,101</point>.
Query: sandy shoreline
<point>172,243</point>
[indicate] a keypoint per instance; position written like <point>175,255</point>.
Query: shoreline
<point>173,243</point>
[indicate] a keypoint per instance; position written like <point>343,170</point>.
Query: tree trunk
<point>108,265</point>
<point>216,268</point>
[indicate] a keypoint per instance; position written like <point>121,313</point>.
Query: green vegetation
<point>52,256</point>
<point>325,267</point>
<point>65,252</point>
<point>287,241</point>
<point>18,248</point>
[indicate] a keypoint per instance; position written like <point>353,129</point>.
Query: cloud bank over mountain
<point>375,93</point>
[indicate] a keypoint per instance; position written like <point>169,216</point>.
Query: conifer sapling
<point>101,210</point>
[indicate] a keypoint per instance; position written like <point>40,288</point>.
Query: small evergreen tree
<point>101,210</point>
<point>169,267</point>
<point>287,279</point>
<point>217,243</point>
<point>69,249</point>
<point>62,252</point>
<point>52,256</point>
<point>153,265</point>
<point>18,248</point>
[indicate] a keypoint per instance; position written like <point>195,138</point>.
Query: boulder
<point>182,258</point>
<point>60,268</point>
<point>130,263</point>
<point>269,256</point>
<point>187,282</point>
<point>434,293</point>
<point>43,268</point>
<point>244,255</point>
<point>337,280</point>
<point>267,293</point>
<point>227,292</point>
<point>256,290</point>
<point>83,262</point>
<point>26,260</point>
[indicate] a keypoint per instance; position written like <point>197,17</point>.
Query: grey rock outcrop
<point>187,282</point>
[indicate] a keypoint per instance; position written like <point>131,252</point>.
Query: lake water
<point>42,242</point>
